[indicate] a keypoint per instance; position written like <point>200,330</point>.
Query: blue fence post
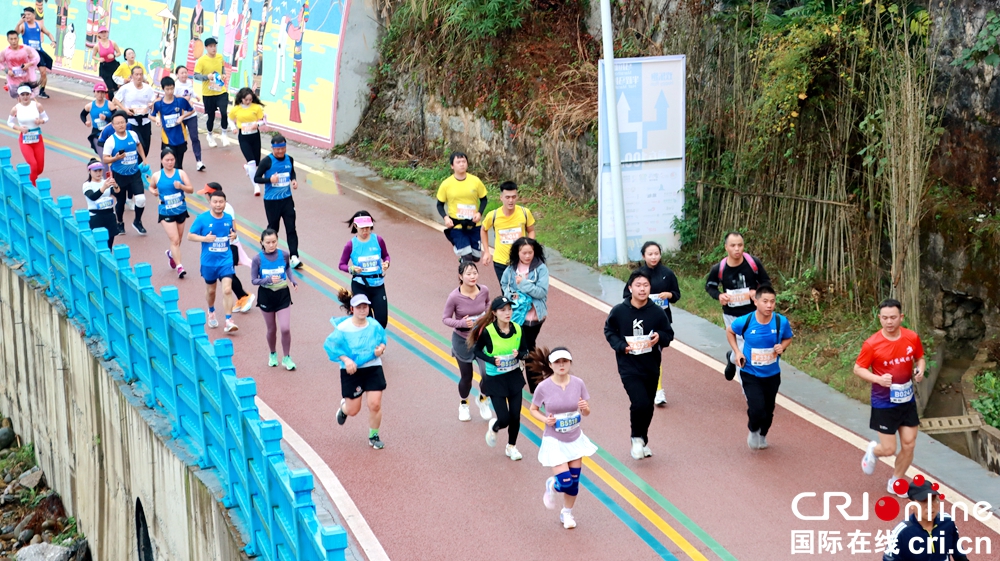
<point>45,222</point>
<point>59,230</point>
<point>5,185</point>
<point>114,290</point>
<point>19,225</point>
<point>334,542</point>
<point>138,330</point>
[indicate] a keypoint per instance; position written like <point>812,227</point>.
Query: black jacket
<point>662,279</point>
<point>740,276</point>
<point>623,320</point>
<point>944,529</point>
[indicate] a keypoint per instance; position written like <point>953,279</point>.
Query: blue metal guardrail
<point>168,355</point>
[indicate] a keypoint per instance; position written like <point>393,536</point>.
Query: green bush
<point>987,383</point>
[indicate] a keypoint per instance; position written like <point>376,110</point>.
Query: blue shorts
<point>466,241</point>
<point>211,274</point>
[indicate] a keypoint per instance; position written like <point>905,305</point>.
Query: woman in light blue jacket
<point>526,283</point>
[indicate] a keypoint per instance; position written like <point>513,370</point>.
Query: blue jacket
<point>536,285</point>
<point>911,537</point>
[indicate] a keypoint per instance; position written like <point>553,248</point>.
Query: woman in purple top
<point>564,445</point>
<point>269,271</point>
<point>367,260</point>
<point>464,306</point>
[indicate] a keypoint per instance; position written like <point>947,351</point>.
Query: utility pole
<point>611,98</point>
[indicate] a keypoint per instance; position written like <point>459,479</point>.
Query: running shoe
<point>121,229</point>
<point>239,304</point>
<point>513,453</point>
<point>130,203</point>
<point>230,327</point>
<point>138,228</point>
<point>646,452</point>
<point>660,399</point>
<point>463,412</point>
<point>170,260</point>
<point>753,440</point>
<point>491,435</point>
<point>341,416</point>
<point>549,498</point>
<point>212,322</point>
<point>484,408</point>
<point>224,137</point>
<point>763,443</point>
<point>272,360</point>
<point>892,481</point>
<point>566,517</point>
<point>210,139</point>
<point>43,95</point>
<point>200,166</point>
<point>730,367</point>
<point>256,190</point>
<point>869,460</point>
<point>376,443</point>
<point>248,304</point>
<point>180,271</point>
<point>288,364</point>
<point>637,445</point>
<point>294,262</point>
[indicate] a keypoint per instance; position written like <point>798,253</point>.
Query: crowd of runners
<point>494,334</point>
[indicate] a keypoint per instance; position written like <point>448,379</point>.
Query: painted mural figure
<point>297,32</point>
<point>195,47</point>
<point>281,46</point>
<point>62,22</point>
<point>98,15</point>
<point>219,9</point>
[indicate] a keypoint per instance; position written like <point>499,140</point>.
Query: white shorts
<point>554,452</point>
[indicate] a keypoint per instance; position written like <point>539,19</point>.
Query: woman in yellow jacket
<point>247,116</point>
<point>124,72</point>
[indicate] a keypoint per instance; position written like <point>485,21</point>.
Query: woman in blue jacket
<point>526,284</point>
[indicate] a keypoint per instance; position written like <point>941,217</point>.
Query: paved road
<point>437,491</point>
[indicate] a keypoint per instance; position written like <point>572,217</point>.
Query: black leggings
<point>465,372</point>
<point>529,335</point>
<point>128,186</point>
<point>107,71</point>
<point>250,146</point>
<point>105,219</point>
<point>145,134</point>
<point>237,285</point>
<point>283,210</point>
<point>761,394</point>
<point>213,102</point>
<point>379,308</point>
<point>641,390</point>
<point>508,416</point>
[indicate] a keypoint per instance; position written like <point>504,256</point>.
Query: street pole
<point>611,97</point>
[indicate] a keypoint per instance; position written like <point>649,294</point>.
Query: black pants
<point>499,269</point>
<point>761,394</point>
<point>107,71</point>
<point>641,390</point>
<point>128,186</point>
<point>508,411</point>
<point>105,219</point>
<point>145,134</point>
<point>213,102</point>
<point>250,146</point>
<point>179,150</point>
<point>529,335</point>
<point>237,285</point>
<point>278,210</point>
<point>380,305</point>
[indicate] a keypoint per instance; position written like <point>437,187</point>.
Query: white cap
<point>23,88</point>
<point>360,299</point>
<point>558,354</point>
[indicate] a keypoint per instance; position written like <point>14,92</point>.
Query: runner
<point>357,345</point>
<point>464,306</point>
<point>169,113</point>
<point>509,222</point>
<point>170,184</point>
<point>887,360</point>
<point>269,271</point>
<point>136,99</point>
<point>33,31</point>
<point>277,174</point>
<point>461,203</point>
<point>99,112</point>
<point>215,231</point>
<point>100,199</point>
<point>27,117</point>
<point>929,534</point>
<point>566,402</point>
<point>496,340</point>
<point>123,153</point>
<point>638,331</point>
<point>244,301</point>
<point>123,74</point>
<point>526,283</point>
<point>210,70</point>
<point>184,88</point>
<point>366,259</point>
<point>766,335</point>
<point>20,64</point>
<point>247,115</point>
<point>664,290</point>
<point>739,274</point>
<point>107,51</point>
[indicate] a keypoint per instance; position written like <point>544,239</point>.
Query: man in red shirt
<point>888,360</point>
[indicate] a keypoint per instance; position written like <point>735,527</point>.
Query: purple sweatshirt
<point>458,305</point>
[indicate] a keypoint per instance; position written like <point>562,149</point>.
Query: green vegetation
<point>987,383</point>
<point>69,534</point>
<point>986,50</point>
<point>19,460</point>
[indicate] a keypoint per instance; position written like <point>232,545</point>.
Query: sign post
<point>617,196</point>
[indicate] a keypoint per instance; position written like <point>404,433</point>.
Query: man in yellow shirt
<point>210,69</point>
<point>461,203</point>
<point>509,222</point>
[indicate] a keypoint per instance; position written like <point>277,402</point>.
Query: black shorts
<point>44,60</point>
<point>273,300</point>
<point>370,379</point>
<point>178,218</point>
<point>887,420</point>
<point>503,385</point>
<point>129,183</point>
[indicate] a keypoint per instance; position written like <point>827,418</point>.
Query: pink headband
<point>95,166</point>
<point>363,221</point>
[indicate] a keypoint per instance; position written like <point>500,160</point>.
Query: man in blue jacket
<point>929,534</point>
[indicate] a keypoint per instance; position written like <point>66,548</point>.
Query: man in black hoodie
<point>638,330</point>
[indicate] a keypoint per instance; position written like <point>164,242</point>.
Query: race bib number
<point>174,200</point>
<point>18,71</point>
<point>248,128</point>
<point>170,121</point>
<point>32,136</point>
<point>641,344</point>
<point>369,263</point>
<point>131,158</point>
<point>901,393</point>
<point>37,45</point>
<point>105,203</point>
<point>219,246</point>
<point>507,363</point>
<point>763,357</point>
<point>284,179</point>
<point>738,297</point>
<point>275,272</point>
<point>215,83</point>
<point>508,236</point>
<point>465,212</point>
<point>566,422</point>
<point>100,123</point>
<point>663,303</point>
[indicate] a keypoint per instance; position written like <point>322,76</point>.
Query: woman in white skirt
<point>564,445</point>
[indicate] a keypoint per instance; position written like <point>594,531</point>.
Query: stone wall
<point>100,447</point>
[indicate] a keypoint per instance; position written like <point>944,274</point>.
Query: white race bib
<point>131,158</point>
<point>248,128</point>
<point>275,272</point>
<point>738,297</point>
<point>507,363</point>
<point>641,344</point>
<point>219,246</point>
<point>105,203</point>
<point>369,263</point>
<point>32,136</point>
<point>763,357</point>
<point>284,179</point>
<point>659,301</point>
<point>508,236</point>
<point>174,200</point>
<point>18,71</point>
<point>170,121</point>
<point>215,83</point>
<point>565,422</point>
<point>901,393</point>
<point>465,212</point>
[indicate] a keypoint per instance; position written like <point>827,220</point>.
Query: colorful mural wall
<point>286,50</point>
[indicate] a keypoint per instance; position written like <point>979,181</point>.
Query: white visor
<point>561,353</point>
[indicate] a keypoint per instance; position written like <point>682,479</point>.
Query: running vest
<point>33,36</point>
<point>130,164</point>
<point>283,188</point>
<point>106,200</point>
<point>504,348</point>
<point>171,198</point>
<point>99,116</point>
<point>273,267</point>
<point>368,256</point>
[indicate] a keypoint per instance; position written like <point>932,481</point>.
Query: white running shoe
<point>753,440</point>
<point>256,190</point>
<point>224,137</point>
<point>491,436</point>
<point>230,327</point>
<point>660,399</point>
<point>566,517</point>
<point>637,445</point>
<point>549,498</point>
<point>512,452</point>
<point>463,412</point>
<point>484,409</point>
<point>210,139</point>
<point>130,204</point>
<point>869,460</point>
<point>212,322</point>
<point>295,262</point>
<point>248,305</point>
<point>646,452</point>
<point>892,480</point>
<point>200,166</point>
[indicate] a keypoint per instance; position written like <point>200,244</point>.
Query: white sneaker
<point>248,305</point>
<point>484,409</point>
<point>491,436</point>
<point>763,443</point>
<point>295,262</point>
<point>200,166</point>
<point>566,517</point>
<point>210,140</point>
<point>549,498</point>
<point>893,480</point>
<point>230,327</point>
<point>869,460</point>
<point>224,137</point>
<point>256,190</point>
<point>660,399</point>
<point>512,452</point>
<point>646,452</point>
<point>463,412</point>
<point>753,440</point>
<point>130,204</point>
<point>637,445</point>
